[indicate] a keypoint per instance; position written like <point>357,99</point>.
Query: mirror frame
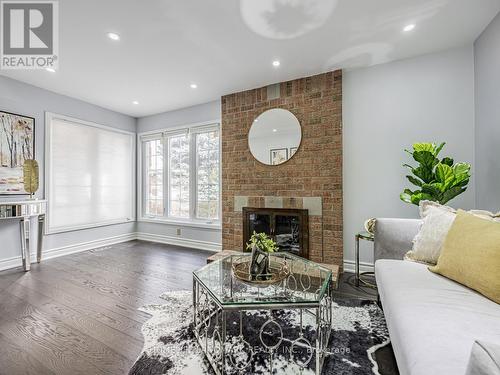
<point>298,147</point>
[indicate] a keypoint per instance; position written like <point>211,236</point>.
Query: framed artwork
<point>278,156</point>
<point>17,144</point>
<point>293,150</point>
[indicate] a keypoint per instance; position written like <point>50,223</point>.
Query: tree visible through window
<point>154,177</point>
<point>181,174</point>
<point>178,176</point>
<point>207,165</point>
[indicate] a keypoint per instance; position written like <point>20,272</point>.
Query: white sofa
<point>433,322</point>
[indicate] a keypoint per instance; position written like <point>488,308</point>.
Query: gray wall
<point>388,107</point>
<point>31,101</point>
<point>487,99</point>
<point>186,116</point>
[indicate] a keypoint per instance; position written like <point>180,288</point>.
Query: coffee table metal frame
<point>211,323</point>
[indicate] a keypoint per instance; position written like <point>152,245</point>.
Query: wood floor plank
<point>90,295</point>
<point>78,314</point>
<point>101,286</point>
<point>50,343</point>
<point>14,360</point>
<point>112,338</point>
<point>171,279</point>
<point>104,315</point>
<point>158,285</point>
<point>125,284</point>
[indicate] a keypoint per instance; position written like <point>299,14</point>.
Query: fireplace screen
<point>288,227</point>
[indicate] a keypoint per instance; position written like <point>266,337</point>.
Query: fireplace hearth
<point>289,228</point>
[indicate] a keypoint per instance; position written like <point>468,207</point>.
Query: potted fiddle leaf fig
<point>438,180</point>
<point>261,246</point>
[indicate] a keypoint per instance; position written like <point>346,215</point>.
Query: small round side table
<point>367,236</point>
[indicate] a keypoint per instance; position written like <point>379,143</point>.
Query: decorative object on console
<point>437,220</point>
<point>272,133</point>
<point>437,180</point>
<point>370,225</point>
<point>31,176</point>
<point>17,144</point>
<point>471,254</point>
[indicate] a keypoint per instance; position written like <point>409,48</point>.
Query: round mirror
<point>274,136</point>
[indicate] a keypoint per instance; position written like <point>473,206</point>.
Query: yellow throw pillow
<point>471,255</point>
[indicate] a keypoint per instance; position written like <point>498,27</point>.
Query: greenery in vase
<point>262,242</point>
<point>436,180</point>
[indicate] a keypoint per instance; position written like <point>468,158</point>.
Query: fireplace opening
<point>289,228</point>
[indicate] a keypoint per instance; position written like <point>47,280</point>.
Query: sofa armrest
<point>394,237</point>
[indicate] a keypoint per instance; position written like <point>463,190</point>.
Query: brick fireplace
<point>311,180</point>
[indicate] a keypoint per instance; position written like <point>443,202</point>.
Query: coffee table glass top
<point>307,283</point>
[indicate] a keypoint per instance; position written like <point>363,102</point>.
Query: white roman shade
<point>89,174</point>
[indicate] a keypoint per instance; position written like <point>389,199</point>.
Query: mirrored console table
<point>28,212</point>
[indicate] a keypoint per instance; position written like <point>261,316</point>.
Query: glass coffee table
<point>238,322</point>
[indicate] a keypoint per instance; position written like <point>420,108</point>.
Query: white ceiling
<point>226,46</point>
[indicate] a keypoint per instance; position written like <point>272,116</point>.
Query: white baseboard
<point>14,262</point>
<point>69,249</point>
<point>179,241</point>
<point>94,244</point>
<point>350,266</point>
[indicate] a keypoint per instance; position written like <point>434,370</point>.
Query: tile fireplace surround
<point>312,179</point>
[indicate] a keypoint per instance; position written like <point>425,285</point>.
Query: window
<point>178,176</point>
<point>154,177</point>
<point>89,174</point>
<point>180,172</point>
<point>207,182</point>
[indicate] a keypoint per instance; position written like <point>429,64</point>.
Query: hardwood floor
<point>78,314</point>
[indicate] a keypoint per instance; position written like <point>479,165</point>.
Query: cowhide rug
<point>359,342</point>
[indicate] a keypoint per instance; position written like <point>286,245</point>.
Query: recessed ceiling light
<point>409,27</point>
<point>113,36</point>
<point>52,70</point>
<point>276,63</point>
<point>135,102</point>
<point>275,130</point>
<point>193,85</point>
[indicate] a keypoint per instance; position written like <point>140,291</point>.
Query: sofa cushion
<point>471,255</point>
<point>433,321</point>
<point>484,359</point>
<point>427,244</point>
<point>436,222</point>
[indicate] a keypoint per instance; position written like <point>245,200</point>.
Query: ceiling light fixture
<point>275,130</point>
<point>276,63</point>
<point>193,85</point>
<point>113,36</point>
<point>135,102</point>
<point>52,70</point>
<point>409,27</point>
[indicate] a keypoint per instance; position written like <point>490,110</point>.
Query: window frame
<point>164,134</point>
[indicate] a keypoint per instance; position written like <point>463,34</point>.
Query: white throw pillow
<point>436,222</point>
